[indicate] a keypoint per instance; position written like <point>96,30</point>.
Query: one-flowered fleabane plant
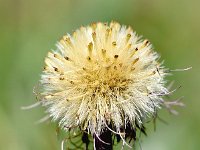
<point>103,83</point>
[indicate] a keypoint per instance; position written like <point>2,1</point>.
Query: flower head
<point>102,75</point>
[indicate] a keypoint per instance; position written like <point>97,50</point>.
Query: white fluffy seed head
<point>102,74</point>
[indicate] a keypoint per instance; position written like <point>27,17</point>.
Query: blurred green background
<point>30,28</point>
